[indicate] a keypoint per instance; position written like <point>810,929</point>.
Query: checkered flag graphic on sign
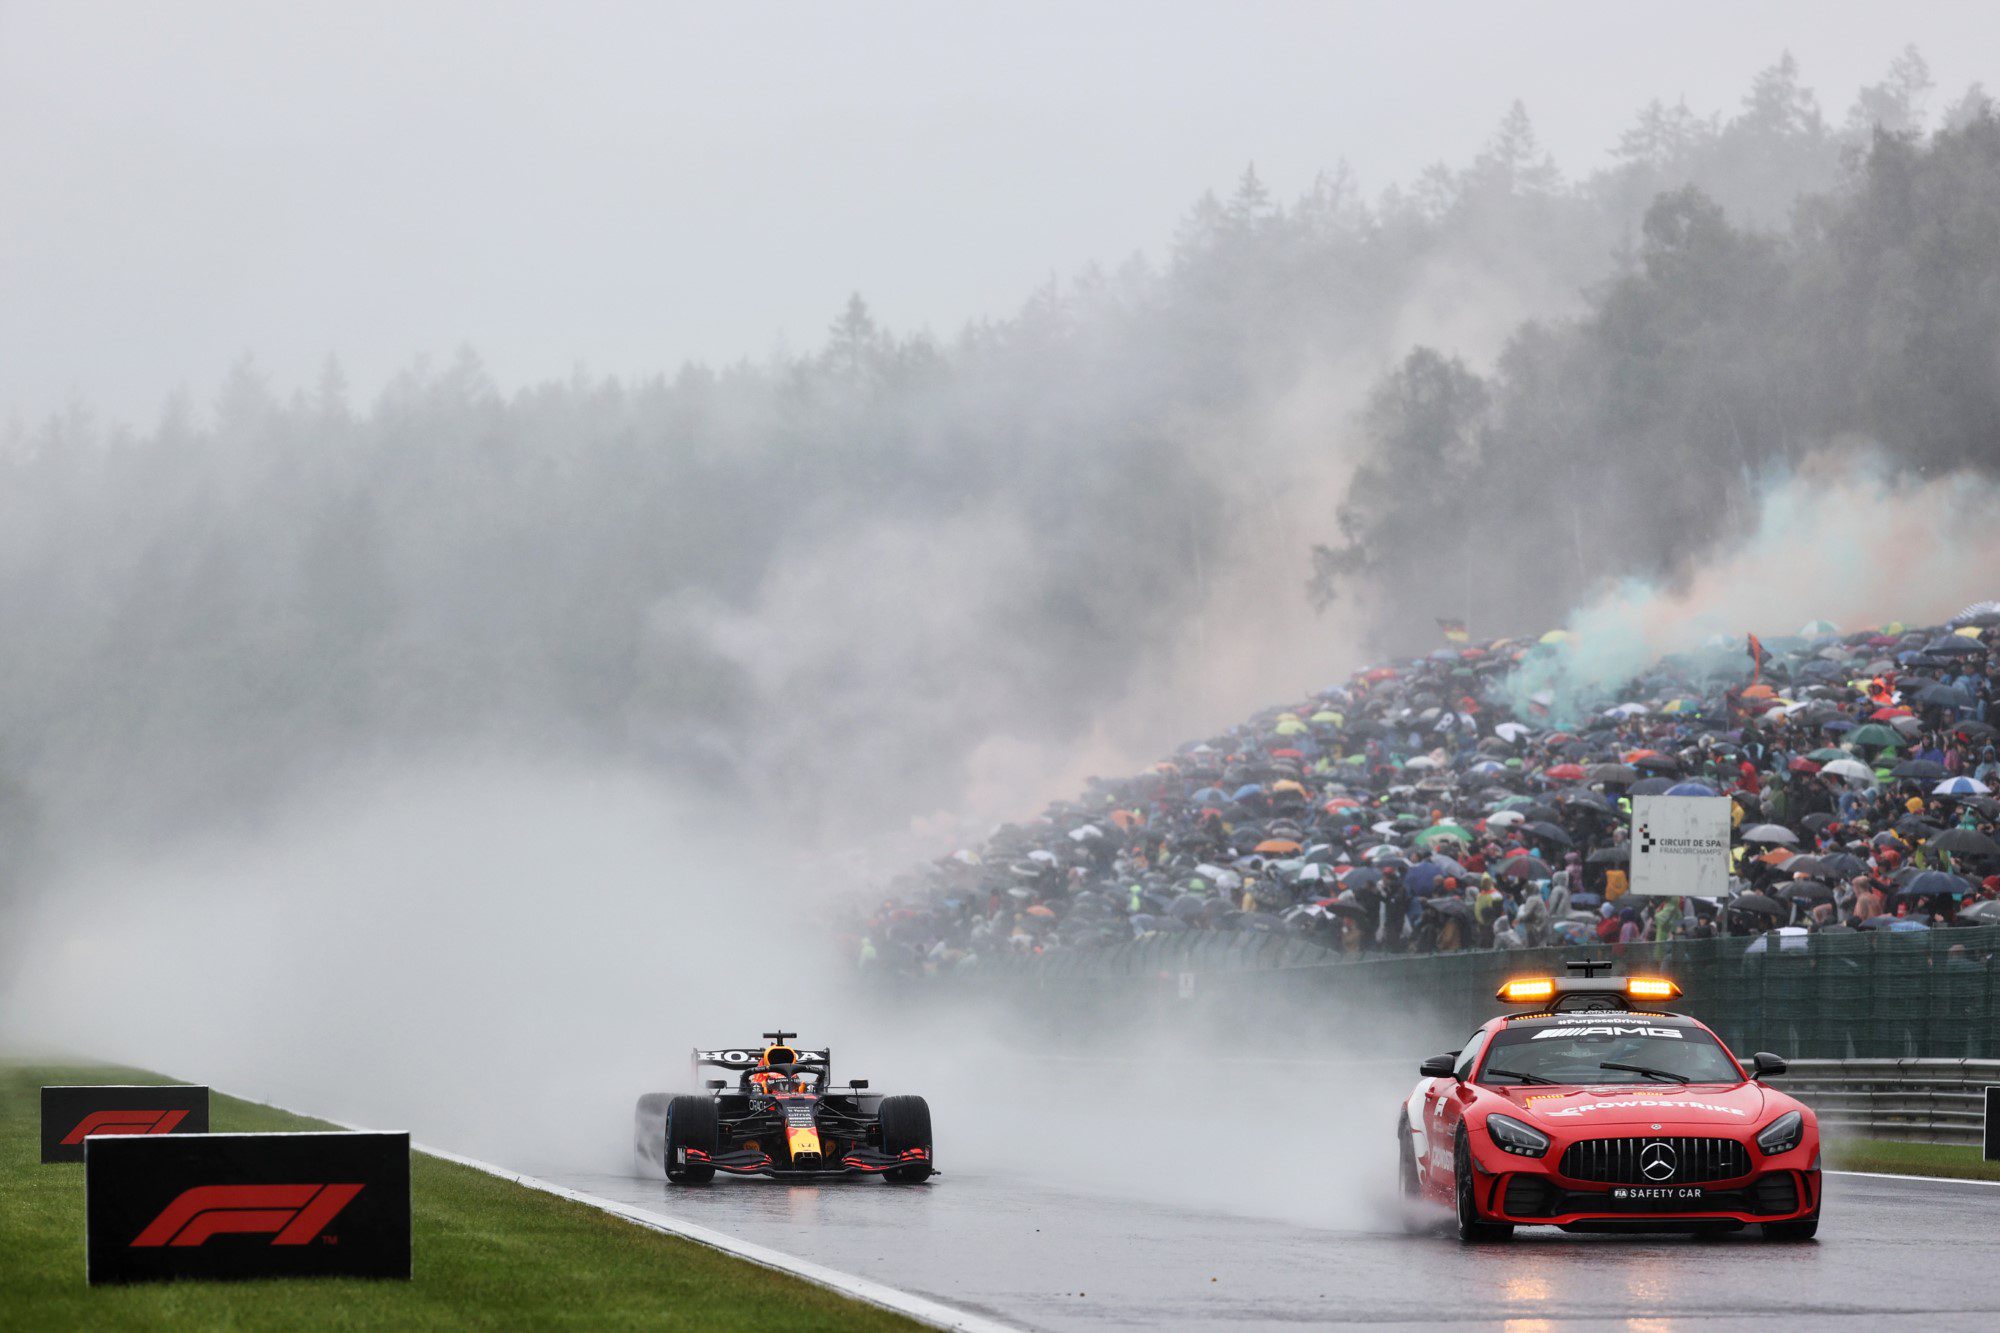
<point>1646,839</point>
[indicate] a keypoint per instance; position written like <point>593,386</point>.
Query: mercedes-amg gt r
<point>1589,1110</point>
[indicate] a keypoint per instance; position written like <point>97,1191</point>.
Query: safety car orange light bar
<point>1528,989</point>
<point>1651,988</point>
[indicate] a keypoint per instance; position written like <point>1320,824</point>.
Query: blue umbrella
<point>1930,883</point>
<point>1211,794</point>
<point>1248,789</point>
<point>1959,786</point>
<point>1691,789</point>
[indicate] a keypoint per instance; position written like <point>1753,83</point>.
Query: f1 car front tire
<point>690,1124</point>
<point>906,1124</point>
<point>1470,1228</point>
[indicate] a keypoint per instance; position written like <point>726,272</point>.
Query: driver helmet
<point>776,1068</point>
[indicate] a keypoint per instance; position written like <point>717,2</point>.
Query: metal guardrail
<point>1917,1101</point>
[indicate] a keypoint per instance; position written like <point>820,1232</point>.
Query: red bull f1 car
<point>782,1116</point>
<point>1588,1108</point>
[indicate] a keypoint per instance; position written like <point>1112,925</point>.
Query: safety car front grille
<point>1673,1161</point>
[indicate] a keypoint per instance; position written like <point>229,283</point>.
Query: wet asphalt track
<point>1892,1253</point>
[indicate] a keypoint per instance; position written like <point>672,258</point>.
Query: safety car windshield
<point>1606,1049</point>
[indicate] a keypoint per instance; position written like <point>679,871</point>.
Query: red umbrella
<point>1566,773</point>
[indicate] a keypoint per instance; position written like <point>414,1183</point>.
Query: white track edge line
<point>1922,1180</point>
<point>879,1294</point>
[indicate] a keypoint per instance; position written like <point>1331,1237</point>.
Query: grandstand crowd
<point>1481,796</point>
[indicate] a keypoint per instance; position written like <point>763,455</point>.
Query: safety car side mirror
<point>715,1084</point>
<point>1438,1066</point>
<point>857,1083</point>
<point>1766,1065</point>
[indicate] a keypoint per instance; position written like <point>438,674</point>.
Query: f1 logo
<point>123,1122</point>
<point>295,1213</point>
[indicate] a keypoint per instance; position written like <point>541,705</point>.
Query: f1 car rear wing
<point>746,1058</point>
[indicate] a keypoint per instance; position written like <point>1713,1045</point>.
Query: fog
<point>629,186</point>
<point>506,522</point>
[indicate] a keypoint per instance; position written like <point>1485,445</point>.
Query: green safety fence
<point>1834,996</point>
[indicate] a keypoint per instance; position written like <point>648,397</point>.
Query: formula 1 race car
<point>784,1118</point>
<point>1591,1112</point>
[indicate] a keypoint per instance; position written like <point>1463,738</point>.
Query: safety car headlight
<point>1510,1135</point>
<point>1782,1134</point>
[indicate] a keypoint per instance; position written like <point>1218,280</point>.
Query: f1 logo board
<point>247,1205</point>
<point>72,1114</point>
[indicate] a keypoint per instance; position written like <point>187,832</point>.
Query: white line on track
<point>921,1308</point>
<point>1921,1180</point>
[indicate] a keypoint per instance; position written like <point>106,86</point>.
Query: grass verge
<point>489,1254</point>
<point>1911,1159</point>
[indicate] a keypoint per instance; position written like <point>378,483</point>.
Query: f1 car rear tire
<point>1470,1228</point>
<point>906,1124</point>
<point>1805,1228</point>
<point>690,1124</point>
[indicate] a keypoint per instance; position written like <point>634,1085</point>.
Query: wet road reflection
<point>1891,1252</point>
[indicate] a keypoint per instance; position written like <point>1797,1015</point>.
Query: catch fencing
<point>1873,995</point>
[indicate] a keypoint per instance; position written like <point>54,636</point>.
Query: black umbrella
<point>1526,867</point>
<point>1547,832</point>
<point>1806,890</point>
<point>1982,913</point>
<point>1974,730</point>
<point>1651,786</point>
<point>1943,696</point>
<point>1842,865</point>
<point>1956,645</point>
<point>1757,902</point>
<point>1612,773</point>
<point>1918,770</point>
<point>1964,842</point>
<point>1617,854</point>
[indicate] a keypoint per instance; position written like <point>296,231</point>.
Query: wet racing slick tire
<point>1805,1228</point>
<point>1470,1228</point>
<point>690,1124</point>
<point>906,1124</point>
<point>1409,1186</point>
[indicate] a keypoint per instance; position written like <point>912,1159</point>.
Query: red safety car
<point>1589,1109</point>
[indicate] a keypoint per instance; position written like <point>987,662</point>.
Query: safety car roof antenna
<point>1589,967</point>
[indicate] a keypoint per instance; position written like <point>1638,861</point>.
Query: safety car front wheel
<point>1805,1228</point>
<point>1470,1228</point>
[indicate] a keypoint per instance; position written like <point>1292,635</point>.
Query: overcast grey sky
<point>627,186</point>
